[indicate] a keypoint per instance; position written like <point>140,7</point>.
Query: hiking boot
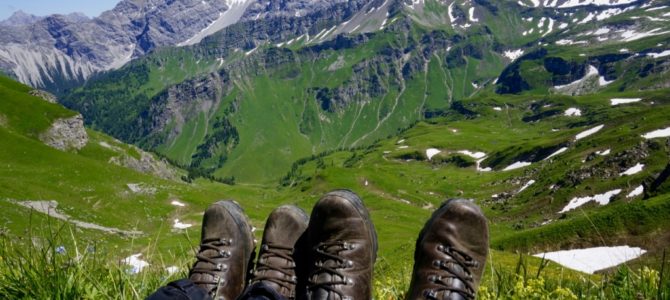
<point>226,251</point>
<point>450,253</point>
<point>276,267</point>
<point>343,248</point>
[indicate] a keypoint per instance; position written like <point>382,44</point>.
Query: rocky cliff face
<point>66,134</point>
<point>59,52</point>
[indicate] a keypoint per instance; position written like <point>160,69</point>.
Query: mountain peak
<point>20,18</point>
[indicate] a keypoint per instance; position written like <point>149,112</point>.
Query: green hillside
<point>397,182</point>
<point>554,121</point>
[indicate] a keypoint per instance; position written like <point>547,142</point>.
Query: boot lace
<point>329,252</point>
<point>272,250</point>
<point>213,265</point>
<point>456,258</point>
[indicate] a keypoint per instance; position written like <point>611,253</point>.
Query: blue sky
<point>91,8</point>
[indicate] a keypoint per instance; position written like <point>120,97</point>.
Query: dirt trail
<point>49,208</point>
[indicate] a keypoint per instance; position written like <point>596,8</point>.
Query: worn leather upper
<point>226,248</point>
<point>343,248</point>
<point>276,266</point>
<point>450,253</point>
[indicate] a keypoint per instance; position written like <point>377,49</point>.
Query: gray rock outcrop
<point>66,134</point>
<point>48,97</point>
<point>147,164</point>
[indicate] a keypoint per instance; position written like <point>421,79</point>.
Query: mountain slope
<point>328,79</point>
<point>60,52</point>
<point>545,183</point>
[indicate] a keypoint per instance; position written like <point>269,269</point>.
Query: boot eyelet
<point>265,247</point>
<point>440,248</point>
<point>432,278</point>
<point>348,264</point>
<point>429,294</point>
<point>219,267</point>
<point>437,263</point>
<point>225,254</point>
<point>349,281</point>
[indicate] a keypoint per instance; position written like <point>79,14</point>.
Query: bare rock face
<point>66,134</point>
<point>147,164</point>
<point>48,97</point>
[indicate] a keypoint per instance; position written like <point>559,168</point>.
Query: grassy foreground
<point>37,267</point>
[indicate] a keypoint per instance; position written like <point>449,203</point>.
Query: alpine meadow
<point>117,132</point>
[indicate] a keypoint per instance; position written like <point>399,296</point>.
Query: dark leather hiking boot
<point>343,248</point>
<point>226,251</point>
<point>450,253</point>
<point>276,267</point>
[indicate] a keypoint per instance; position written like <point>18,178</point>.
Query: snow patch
<point>573,112</point>
<point>180,225</point>
<point>250,51</point>
<point>475,155</point>
<point>589,132</point>
<point>574,3</point>
<point>471,12</point>
<point>234,13</point>
<point>604,152</point>
<point>636,192</point>
<point>602,199</point>
<point>135,263</point>
<point>513,54</point>
<point>569,42</point>
<point>631,35</point>
<point>177,203</point>
<point>603,82</point>
<point>172,270</point>
<point>592,72</point>
<point>617,101</point>
<point>558,152</point>
<point>657,134</point>
<point>527,185</point>
<point>432,152</point>
<point>633,170</point>
<point>590,260</point>
<point>657,55</point>
<point>517,165</point>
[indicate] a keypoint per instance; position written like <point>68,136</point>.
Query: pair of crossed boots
<point>331,254</point>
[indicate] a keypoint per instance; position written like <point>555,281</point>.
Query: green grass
<point>16,104</point>
<point>54,264</point>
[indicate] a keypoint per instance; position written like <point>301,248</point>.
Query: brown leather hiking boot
<point>276,267</point>
<point>226,251</point>
<point>343,248</point>
<point>450,253</point>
